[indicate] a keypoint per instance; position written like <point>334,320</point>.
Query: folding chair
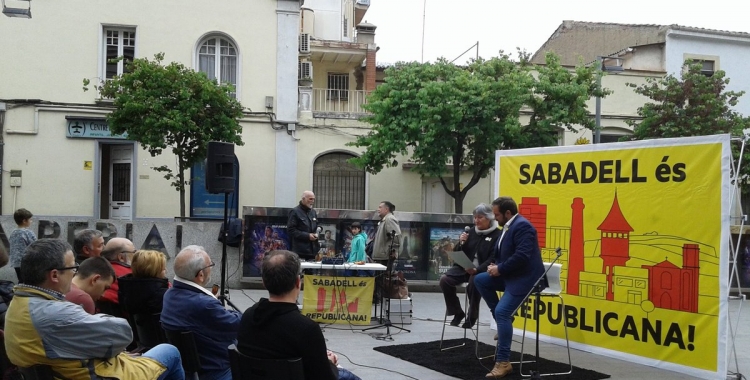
<point>185,343</point>
<point>553,289</point>
<point>248,368</point>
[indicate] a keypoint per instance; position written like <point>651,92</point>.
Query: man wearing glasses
<point>42,328</point>
<point>189,306</point>
<point>119,251</point>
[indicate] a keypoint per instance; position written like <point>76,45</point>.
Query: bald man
<point>189,306</point>
<point>302,227</point>
<point>119,252</point>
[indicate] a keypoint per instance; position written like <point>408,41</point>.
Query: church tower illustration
<point>615,243</point>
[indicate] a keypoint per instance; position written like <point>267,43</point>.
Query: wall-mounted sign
<point>90,128</point>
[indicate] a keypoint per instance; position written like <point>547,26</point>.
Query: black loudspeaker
<point>220,168</point>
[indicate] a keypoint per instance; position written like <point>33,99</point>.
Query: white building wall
<point>328,19</point>
<point>47,57</point>
<point>730,54</point>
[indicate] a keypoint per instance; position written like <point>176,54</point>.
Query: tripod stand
<point>386,322</point>
<point>539,286</point>
<point>222,290</point>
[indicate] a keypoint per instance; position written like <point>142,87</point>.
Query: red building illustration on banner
<point>667,285</point>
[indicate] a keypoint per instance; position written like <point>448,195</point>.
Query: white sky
<point>452,26</point>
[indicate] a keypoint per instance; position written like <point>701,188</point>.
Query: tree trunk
<point>181,175</point>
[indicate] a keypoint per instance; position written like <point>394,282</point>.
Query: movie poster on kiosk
<point>408,257</point>
<point>442,241</point>
<point>643,230</point>
<point>264,237</point>
<point>327,241</point>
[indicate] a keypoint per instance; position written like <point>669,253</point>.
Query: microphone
<point>320,230</point>
<point>466,229</point>
<point>394,233</point>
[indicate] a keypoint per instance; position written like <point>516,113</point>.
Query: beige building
<point>633,52</point>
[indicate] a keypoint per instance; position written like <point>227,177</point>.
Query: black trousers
<point>448,284</point>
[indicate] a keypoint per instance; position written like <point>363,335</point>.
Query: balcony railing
<point>338,101</point>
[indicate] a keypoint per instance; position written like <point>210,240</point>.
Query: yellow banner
<point>346,300</point>
<point>643,228</point>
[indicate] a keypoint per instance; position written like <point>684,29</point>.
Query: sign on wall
<point>643,227</point>
<point>90,128</point>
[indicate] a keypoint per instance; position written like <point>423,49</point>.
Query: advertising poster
<point>327,241</point>
<point>408,259</point>
<point>343,300</point>
<point>442,241</point>
<point>263,238</point>
<point>643,228</point>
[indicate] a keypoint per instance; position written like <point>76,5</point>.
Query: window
<point>708,68</point>
<point>217,57</point>
<point>118,42</point>
<point>338,86</point>
<point>337,183</point>
<point>346,27</point>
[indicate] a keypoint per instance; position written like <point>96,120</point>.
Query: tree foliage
<point>694,104</point>
<point>172,107</point>
<point>439,114</point>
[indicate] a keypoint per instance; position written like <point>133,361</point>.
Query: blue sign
<point>89,128</point>
<point>206,205</point>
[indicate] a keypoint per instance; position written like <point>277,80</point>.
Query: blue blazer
<point>518,257</point>
<point>214,328</point>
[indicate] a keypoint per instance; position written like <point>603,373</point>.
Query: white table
<point>345,266</point>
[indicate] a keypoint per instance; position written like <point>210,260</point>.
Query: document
<point>460,258</point>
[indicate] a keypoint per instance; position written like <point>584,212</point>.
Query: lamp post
<point>598,117</point>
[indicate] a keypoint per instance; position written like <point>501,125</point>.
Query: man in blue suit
<point>518,265</point>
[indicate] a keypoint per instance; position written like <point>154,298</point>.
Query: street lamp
<point>17,12</point>
<point>600,61</point>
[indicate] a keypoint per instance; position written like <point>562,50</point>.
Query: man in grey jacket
<point>387,238</point>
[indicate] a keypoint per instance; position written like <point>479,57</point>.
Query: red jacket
<point>121,269</point>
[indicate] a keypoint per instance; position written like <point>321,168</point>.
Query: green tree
<point>694,104</point>
<point>172,107</point>
<point>442,115</point>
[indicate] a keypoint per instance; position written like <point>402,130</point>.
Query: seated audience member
<point>142,292</point>
<point>119,252</point>
<point>95,275</point>
<point>42,328</point>
<point>189,306</point>
<point>274,328</point>
<point>88,243</point>
<point>478,244</point>
<point>6,288</point>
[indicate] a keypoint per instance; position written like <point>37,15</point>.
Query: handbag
<point>399,289</point>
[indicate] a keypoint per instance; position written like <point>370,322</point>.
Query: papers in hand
<point>460,258</point>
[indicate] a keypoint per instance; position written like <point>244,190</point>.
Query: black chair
<point>248,368</point>
<point>37,372</point>
<point>185,343</point>
<point>149,330</point>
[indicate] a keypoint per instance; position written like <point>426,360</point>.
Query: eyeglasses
<point>129,251</point>
<point>73,268</point>
<point>206,267</point>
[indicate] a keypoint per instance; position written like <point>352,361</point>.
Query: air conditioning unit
<point>304,43</point>
<point>305,70</point>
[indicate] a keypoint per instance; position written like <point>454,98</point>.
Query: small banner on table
<point>338,299</point>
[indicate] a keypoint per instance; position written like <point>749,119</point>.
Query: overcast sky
<point>453,26</point>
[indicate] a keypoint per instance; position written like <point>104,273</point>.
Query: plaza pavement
<point>355,347</point>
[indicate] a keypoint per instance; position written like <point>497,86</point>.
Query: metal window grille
<point>346,27</point>
<point>121,182</point>
<point>338,87</point>
<point>337,183</point>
